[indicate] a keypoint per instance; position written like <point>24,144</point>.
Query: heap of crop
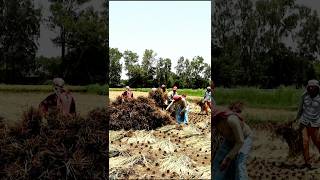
<point>137,114</point>
<point>70,148</point>
<point>293,138</point>
<point>158,96</point>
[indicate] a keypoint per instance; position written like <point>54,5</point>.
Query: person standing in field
<point>181,109</point>
<point>60,101</point>
<point>172,94</point>
<point>231,157</point>
<point>165,96</point>
<point>308,117</point>
<point>127,94</point>
<point>207,99</point>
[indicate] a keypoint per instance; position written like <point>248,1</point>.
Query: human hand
<point>225,164</point>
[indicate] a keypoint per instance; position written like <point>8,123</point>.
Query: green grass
<point>93,89</point>
<point>188,92</point>
<point>281,98</point>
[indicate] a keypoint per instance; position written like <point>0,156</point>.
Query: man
<point>165,95</point>
<point>309,118</point>
<point>61,100</point>
<point>127,94</point>
<point>181,109</point>
<point>231,157</point>
<point>207,99</point>
<point>172,94</point>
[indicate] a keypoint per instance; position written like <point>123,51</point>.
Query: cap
<point>313,82</point>
<point>59,82</point>
<point>176,97</point>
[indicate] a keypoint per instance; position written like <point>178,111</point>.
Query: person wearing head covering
<point>230,159</point>
<point>127,94</point>
<point>181,108</point>
<point>207,97</point>
<point>308,117</point>
<point>60,101</point>
<point>163,88</point>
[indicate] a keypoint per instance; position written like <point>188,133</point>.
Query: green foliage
<point>83,33</point>
<point>251,48</point>
<point>115,66</point>
<point>19,32</point>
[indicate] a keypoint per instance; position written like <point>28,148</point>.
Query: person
<point>127,94</point>
<point>163,88</point>
<point>230,159</point>
<point>165,95</point>
<point>172,94</point>
<point>207,99</point>
<point>61,100</point>
<point>308,118</point>
<point>181,109</point>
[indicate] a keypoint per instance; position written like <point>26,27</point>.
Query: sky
<point>171,28</point>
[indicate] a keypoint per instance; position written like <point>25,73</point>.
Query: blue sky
<point>171,29</point>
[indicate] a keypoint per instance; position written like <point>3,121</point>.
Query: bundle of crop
<point>180,164</point>
<point>158,96</point>
<point>72,147</point>
<point>293,137</point>
<point>137,114</point>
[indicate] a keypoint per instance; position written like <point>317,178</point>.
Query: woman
<point>181,109</point>
<point>230,159</point>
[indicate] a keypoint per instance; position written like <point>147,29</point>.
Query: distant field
<point>281,98</point>
<point>94,88</point>
<point>188,92</point>
<point>13,104</point>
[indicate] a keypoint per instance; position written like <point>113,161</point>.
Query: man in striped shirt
<point>309,116</point>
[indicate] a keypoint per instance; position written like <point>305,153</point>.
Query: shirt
<point>171,94</point>
<point>235,132</point>
<point>207,96</point>
<point>309,110</point>
<point>183,104</point>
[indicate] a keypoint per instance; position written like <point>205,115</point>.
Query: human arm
<point>234,123</point>
<point>169,106</point>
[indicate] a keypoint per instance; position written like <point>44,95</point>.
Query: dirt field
<point>169,152</point>
<point>13,104</point>
<point>269,158</point>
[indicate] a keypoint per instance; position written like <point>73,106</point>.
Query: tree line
<point>264,43</point>
<point>82,35</point>
<point>150,71</point>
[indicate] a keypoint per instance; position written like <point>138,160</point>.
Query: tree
<point>63,15</point>
<point>147,65</point>
<point>19,32</point>
<point>115,66</point>
<point>87,49</point>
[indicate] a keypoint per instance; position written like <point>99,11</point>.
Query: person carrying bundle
<point>231,157</point>
<point>60,101</point>
<point>181,109</point>
<point>308,118</point>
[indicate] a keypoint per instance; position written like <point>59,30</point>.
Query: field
<point>14,99</point>
<point>169,152</point>
<point>269,155</point>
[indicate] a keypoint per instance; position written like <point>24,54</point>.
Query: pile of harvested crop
<point>158,96</point>
<point>293,138</point>
<point>72,147</point>
<point>137,114</point>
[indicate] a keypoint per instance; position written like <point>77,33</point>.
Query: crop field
<point>266,111</point>
<point>166,152</point>
<point>14,99</point>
